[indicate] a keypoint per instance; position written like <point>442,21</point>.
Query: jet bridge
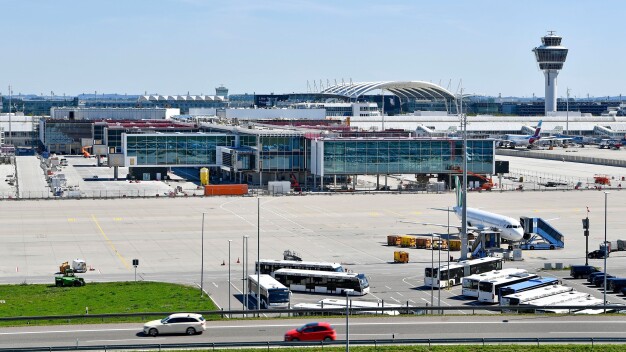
<point>539,234</point>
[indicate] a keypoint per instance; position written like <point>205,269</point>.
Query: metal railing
<point>277,344</point>
<point>404,309</point>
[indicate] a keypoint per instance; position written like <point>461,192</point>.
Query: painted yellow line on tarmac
<point>71,219</point>
<point>374,214</point>
<point>108,241</point>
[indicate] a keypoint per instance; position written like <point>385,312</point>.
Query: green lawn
<point>100,298</point>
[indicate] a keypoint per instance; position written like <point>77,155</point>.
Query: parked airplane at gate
<point>520,140</point>
<point>480,220</point>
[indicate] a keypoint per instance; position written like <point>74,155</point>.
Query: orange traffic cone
<point>237,260</point>
<point>223,262</point>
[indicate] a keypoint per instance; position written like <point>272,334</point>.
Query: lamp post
<point>229,296</point>
<point>432,265</point>
<point>202,260</point>
<point>348,292</point>
<point>439,276</point>
<point>258,254</point>
<point>606,247</point>
<point>586,233</point>
<point>243,274</point>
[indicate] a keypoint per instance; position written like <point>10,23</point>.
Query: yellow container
<point>455,245</point>
<point>400,257</point>
<point>408,241</point>
<point>204,176</point>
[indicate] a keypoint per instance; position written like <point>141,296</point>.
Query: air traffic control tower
<point>550,57</point>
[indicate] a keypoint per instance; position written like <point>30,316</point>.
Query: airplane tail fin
<point>457,189</point>
<point>538,130</point>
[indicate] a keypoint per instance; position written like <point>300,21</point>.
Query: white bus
<point>488,290</point>
<point>269,266</point>
<point>274,295</point>
<point>323,281</point>
<point>541,292</point>
<point>470,283</point>
<point>445,276</point>
<point>572,298</point>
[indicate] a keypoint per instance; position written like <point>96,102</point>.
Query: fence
<point>277,344</point>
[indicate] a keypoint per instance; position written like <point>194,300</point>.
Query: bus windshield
<point>279,295</point>
<point>363,280</point>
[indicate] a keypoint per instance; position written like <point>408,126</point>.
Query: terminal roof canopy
<point>403,89</point>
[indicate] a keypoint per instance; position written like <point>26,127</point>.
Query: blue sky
<point>263,46</point>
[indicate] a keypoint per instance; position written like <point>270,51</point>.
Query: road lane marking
<point>109,242</point>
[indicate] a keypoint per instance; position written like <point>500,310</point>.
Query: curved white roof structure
<point>403,89</point>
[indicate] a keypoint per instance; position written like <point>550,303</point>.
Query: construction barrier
<point>226,190</point>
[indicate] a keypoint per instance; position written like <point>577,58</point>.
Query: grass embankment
<point>450,348</point>
<point>99,298</point>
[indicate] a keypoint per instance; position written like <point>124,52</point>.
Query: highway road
<point>361,328</point>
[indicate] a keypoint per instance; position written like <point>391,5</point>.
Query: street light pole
<point>202,260</point>
<point>258,254</point>
<point>348,291</point>
<point>606,247</point>
<point>243,275</point>
<point>229,296</point>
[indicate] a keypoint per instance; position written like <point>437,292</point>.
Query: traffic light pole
<point>586,228</point>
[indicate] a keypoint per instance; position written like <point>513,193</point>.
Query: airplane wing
<point>440,225</point>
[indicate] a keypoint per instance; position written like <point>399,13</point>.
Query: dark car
<point>312,332</point>
<point>582,271</point>
<point>597,254</point>
<point>624,291</point>
<point>615,284</point>
<point>598,280</point>
<point>591,276</point>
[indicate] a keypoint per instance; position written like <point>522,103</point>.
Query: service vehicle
<point>615,284</point>
<point>269,266</point>
<point>451,274</point>
<point>327,282</point>
<point>274,295</point>
<point>531,295</point>
<point>470,283</point>
<point>68,279</point>
<point>179,323</point>
<point>528,285</point>
<point>312,332</point>
<point>489,290</point>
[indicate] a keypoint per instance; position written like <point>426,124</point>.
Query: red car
<point>312,332</point>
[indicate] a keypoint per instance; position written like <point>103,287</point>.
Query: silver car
<point>179,323</point>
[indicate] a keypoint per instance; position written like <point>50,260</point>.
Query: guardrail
<point>405,309</point>
<point>267,344</point>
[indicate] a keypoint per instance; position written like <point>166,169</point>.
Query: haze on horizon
<point>180,46</point>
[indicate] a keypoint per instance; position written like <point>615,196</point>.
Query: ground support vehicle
<point>68,279</point>
<point>400,257</point>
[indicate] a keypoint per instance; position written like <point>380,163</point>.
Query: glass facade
<point>176,149</point>
<point>65,136</point>
<point>408,156</point>
<point>282,153</point>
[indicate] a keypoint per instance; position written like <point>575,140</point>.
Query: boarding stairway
<point>484,243</point>
<point>539,230</point>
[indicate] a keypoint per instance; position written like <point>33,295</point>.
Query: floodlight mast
<point>464,245</point>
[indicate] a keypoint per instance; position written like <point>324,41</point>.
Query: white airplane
<point>521,140</point>
<point>480,220</point>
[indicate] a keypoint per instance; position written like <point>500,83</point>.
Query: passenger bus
<point>488,289</point>
<point>572,298</point>
<point>450,275</point>
<point>269,266</point>
<point>528,285</point>
<point>523,297</point>
<point>274,295</point>
<point>470,283</point>
<point>327,282</point>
